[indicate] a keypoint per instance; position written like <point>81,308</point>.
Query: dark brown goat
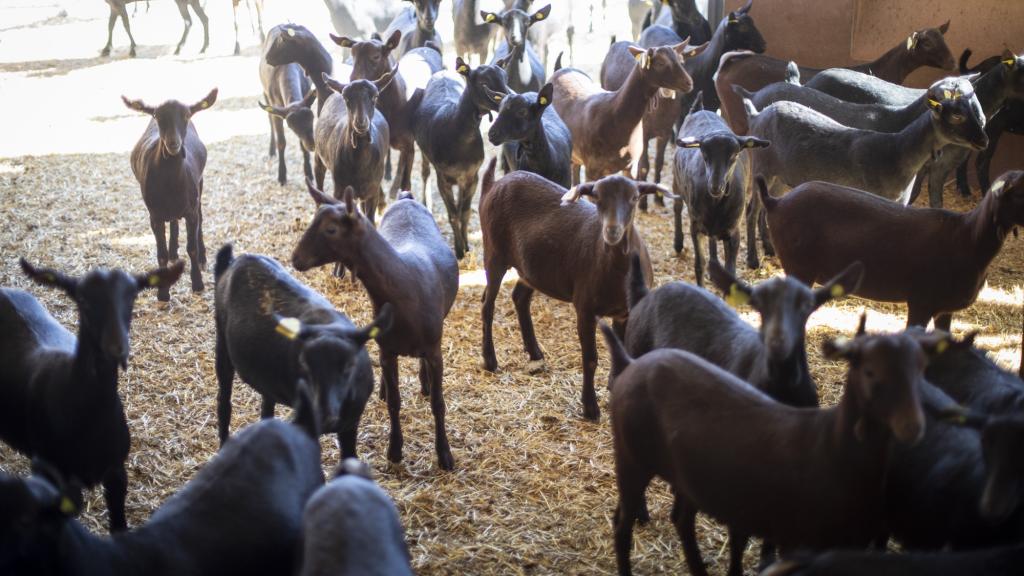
<point>925,47</point>
<point>607,127</point>
<point>117,9</point>
<point>371,59</point>
<point>572,251</point>
<point>405,261</point>
<point>168,162</point>
<point>939,264</point>
<point>287,98</point>
<point>674,415</point>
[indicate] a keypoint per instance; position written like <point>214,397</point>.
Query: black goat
<point>515,54</point>
<point>711,174</point>
<point>416,23</point>
<point>533,137</point>
<point>993,562</point>
<point>256,296</point>
<point>240,514</point>
<point>58,393</point>
<point>168,161</point>
<point>447,128</point>
<point>287,98</point>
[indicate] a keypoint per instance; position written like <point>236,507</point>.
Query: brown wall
<point>823,33</point>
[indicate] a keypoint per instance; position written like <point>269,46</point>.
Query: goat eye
<point>331,230</point>
<point>522,113</point>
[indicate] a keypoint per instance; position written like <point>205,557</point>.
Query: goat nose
<point>613,233</point>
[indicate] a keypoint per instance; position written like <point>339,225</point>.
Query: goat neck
<point>381,269</point>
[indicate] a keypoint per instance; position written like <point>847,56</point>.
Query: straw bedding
<point>533,491</point>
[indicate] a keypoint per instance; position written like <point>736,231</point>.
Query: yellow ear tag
<point>910,42</point>
<point>463,69</point>
<point>67,507</point>
<point>934,103</point>
<point>374,332</point>
<point>691,53</point>
<point>289,328</point>
<point>291,32</point>
<point>543,101</point>
<point>736,296</point>
<point>997,186</point>
<point>947,95</point>
<point>489,18</point>
<point>153,279</point>
<point>733,20</point>
<point>837,291</point>
<point>1010,61</point>
<point>941,346</point>
<point>538,16</point>
<point>497,98</point>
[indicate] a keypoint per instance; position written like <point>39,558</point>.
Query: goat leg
<point>586,324</point>
<point>183,10</point>
<point>943,321</point>
<point>163,294</point>
<point>192,248</point>
<point>444,188</point>
<point>199,228</point>
<point>115,490</point>
<point>521,297</point>
<point>307,168</point>
<point>685,520</point>
<point>732,249</point>
<point>698,252</point>
<point>282,171</point>
<point>918,316</point>
<point>677,228</point>
<point>111,21</point>
<point>467,190</point>
<point>435,363</point>
<point>389,378</point>
<point>173,241</point>
<point>234,12</point>
<point>127,28</point>
<point>737,545</point>
<point>266,408</point>
<point>631,500</point>
<point>198,9</point>
<point>225,375</point>
<point>424,378</point>
<point>495,273</point>
<point>753,213</point>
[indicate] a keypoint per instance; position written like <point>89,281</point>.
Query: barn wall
<point>823,33</point>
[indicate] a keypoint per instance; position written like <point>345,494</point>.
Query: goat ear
<point>545,95</point>
<point>912,41</point>
<point>733,18</point>
<point>385,80</point>
<point>840,347</point>
<point>343,41</point>
<point>50,491</point>
<point>944,28</point>
<point>636,51</point>
<point>688,142</point>
<point>292,328</point>
<point>658,190</point>
<point>753,142</point>
<point>332,83</point>
<point>737,292</point>
<point>204,103</point>
<point>935,106</point>
<point>461,67</point>
<point>309,99</point>
<point>49,277</point>
<point>682,46</point>
<point>138,105</point>
<point>504,62</point>
<point>160,277</point>
<point>273,110</point>
<point>692,51</point>
<point>318,196</point>
<point>933,343</point>
<point>393,40</point>
<point>349,197</point>
<point>746,7</point>
<point>380,326</point>
<point>540,14</point>
<point>489,17</point>
<point>574,193</point>
<point>846,282</point>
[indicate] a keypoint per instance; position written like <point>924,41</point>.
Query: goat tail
<point>488,182</point>
<point>767,200</point>
<point>792,73</point>
<point>620,358</point>
<point>558,62</point>
<point>964,69</point>
<point>636,289</point>
<point>225,256</point>
<point>305,411</point>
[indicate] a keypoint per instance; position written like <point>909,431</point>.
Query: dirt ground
<point>533,490</point>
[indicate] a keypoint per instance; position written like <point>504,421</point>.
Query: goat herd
<point>924,446</point>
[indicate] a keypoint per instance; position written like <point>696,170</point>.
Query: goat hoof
<point>445,460</point>
<point>753,264</point>
<point>424,390</point>
<point>394,455</point>
<point>163,296</point>
<point>105,52</point>
<point>535,366</point>
<point>591,412</point>
<point>490,364</point>
<point>197,286</point>
<point>238,49</point>
<point>132,53</point>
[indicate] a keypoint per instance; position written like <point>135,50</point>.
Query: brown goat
<point>925,47</point>
<point>607,127</point>
<point>572,251</point>
<point>935,260</point>
<point>404,261</point>
<point>798,477</point>
<point>168,161</point>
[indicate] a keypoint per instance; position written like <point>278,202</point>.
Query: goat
<point>568,250</point>
<point>979,508</point>
<point>117,8</point>
<point>939,266</point>
<point>711,175</point>
<point>352,138</point>
<point>357,19</point>
<point>371,60</point>
<point>991,562</point>
<point>670,406</point>
<point>606,126</point>
<point>256,296</point>
<point>975,381</point>
<point>515,54</point>
<point>297,44</point>
<point>287,98</point>
<point>533,137</point>
<point>1008,118</point>
<point>684,18</point>
<point>862,88</point>
<point>242,512</point>
<point>58,393</point>
<point>259,18</point>
<point>925,47</point>
<point>473,35</point>
<point>807,145</point>
<point>168,162</point>
<point>416,23</point>
<point>447,128</point>
<point>351,526</point>
<point>405,262</point>
<point>562,21</point>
